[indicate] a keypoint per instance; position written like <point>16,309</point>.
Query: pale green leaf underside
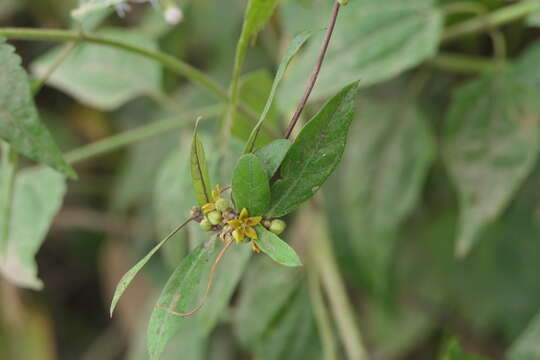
<point>20,125</point>
<point>491,145</point>
<point>199,172</point>
<point>250,186</point>
<point>384,169</point>
<point>277,249</point>
<point>37,198</point>
<point>373,41</point>
<point>293,48</point>
<point>315,153</point>
<point>272,155</point>
<point>101,76</point>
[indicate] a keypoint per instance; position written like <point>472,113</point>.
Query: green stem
<point>496,18</point>
<point>66,50</point>
<point>168,61</point>
<point>464,64</point>
<point>129,137</point>
<point>332,282</point>
<point>322,317</point>
<point>8,172</point>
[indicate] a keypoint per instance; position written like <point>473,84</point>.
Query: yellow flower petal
<point>254,220</point>
<point>235,224</point>
<point>243,214</point>
<point>216,194</point>
<point>208,208</point>
<point>240,237</point>
<point>250,232</point>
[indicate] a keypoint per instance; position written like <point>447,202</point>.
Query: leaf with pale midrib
<point>250,186</point>
<point>199,171</point>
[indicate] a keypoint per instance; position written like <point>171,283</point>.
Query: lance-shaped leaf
<point>315,154</point>
<point>491,145</point>
<point>37,198</point>
<point>272,155</point>
<point>130,275</point>
<point>250,186</point>
<point>179,294</point>
<point>293,48</point>
<point>19,120</point>
<point>258,13</point>
<point>277,249</point>
<point>199,171</point>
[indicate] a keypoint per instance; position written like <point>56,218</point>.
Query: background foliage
<point>422,245</point>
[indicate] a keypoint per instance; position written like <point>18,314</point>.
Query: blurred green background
<point>433,214</point>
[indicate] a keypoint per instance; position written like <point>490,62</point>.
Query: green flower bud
<point>214,217</point>
<point>222,204</point>
<point>205,225</point>
<point>277,226</point>
<point>343,2</point>
<point>236,236</point>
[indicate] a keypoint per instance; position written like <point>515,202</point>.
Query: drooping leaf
<point>179,294</point>
<point>130,275</point>
<point>254,89</point>
<point>373,41</point>
<point>19,120</point>
<point>277,249</point>
<point>527,345</point>
<point>199,171</point>
<point>453,351</point>
<point>37,198</point>
<point>250,186</point>
<point>111,76</point>
<point>293,48</point>
<point>383,173</point>
<point>315,153</point>
<point>272,155</point>
<point>255,314</point>
<point>491,146</point>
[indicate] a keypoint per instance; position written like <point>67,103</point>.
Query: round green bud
<point>222,204</point>
<point>205,225</point>
<point>343,2</point>
<point>214,217</point>
<point>277,226</point>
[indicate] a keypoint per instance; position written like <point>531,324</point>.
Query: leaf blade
<point>277,249</point>
<point>272,155</point>
<point>250,186</point>
<point>199,171</point>
<point>315,154</point>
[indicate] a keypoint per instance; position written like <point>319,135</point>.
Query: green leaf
<point>130,275</point>
<point>199,171</point>
<point>527,345</point>
<point>38,197</point>
<point>102,76</point>
<point>373,41</point>
<point>254,89</point>
<point>19,120</point>
<point>453,351</point>
<point>272,155</point>
<point>315,154</point>
<point>384,169</point>
<point>258,12</point>
<point>293,48</point>
<point>89,8</point>
<point>255,315</point>
<point>277,249</point>
<point>179,294</point>
<point>491,146</point>
<point>250,186</point>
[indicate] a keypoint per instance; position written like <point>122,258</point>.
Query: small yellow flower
<point>244,226</point>
<point>211,206</point>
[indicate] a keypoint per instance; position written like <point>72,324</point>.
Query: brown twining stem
<point>208,286</point>
<point>315,73</point>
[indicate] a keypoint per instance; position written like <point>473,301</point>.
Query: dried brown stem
<point>315,73</point>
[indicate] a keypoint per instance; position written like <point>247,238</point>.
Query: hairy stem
<point>316,71</point>
<point>168,61</point>
<point>140,133</point>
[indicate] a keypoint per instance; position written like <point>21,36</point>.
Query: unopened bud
<point>173,15</point>
<point>222,204</point>
<point>205,225</point>
<point>343,2</point>
<point>277,226</point>
<point>214,217</point>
